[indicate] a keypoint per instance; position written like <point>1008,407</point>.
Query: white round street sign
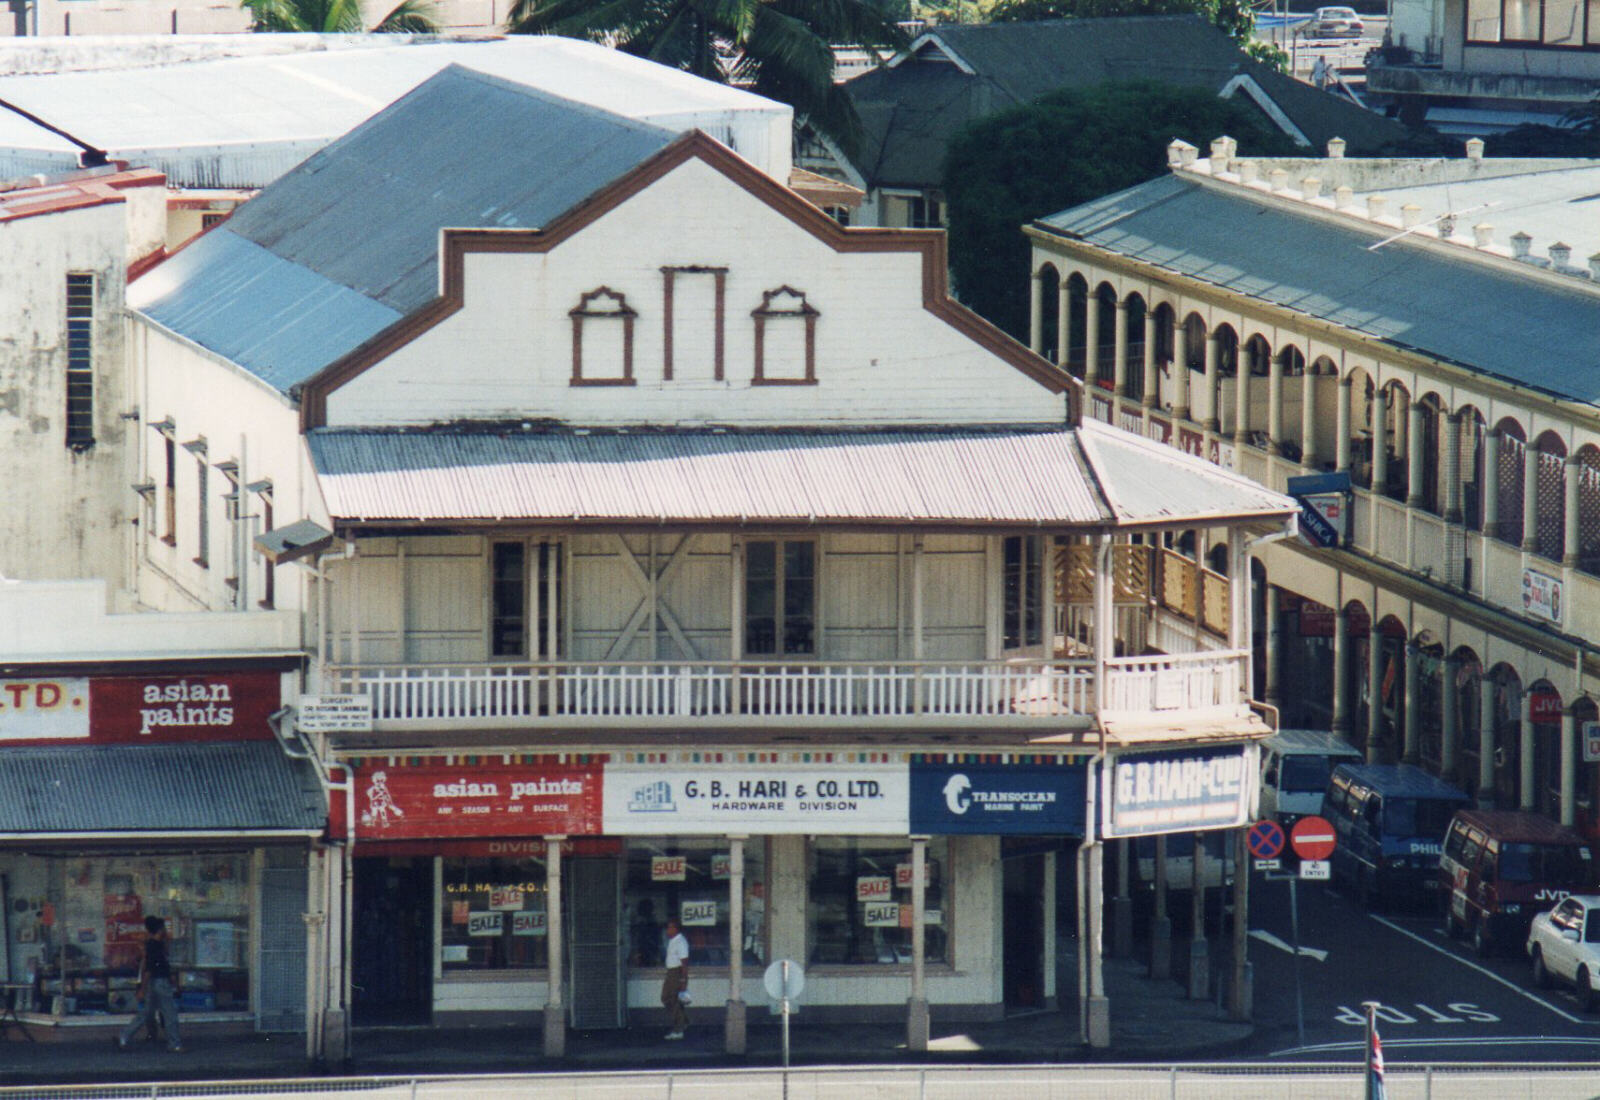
<point>784,980</point>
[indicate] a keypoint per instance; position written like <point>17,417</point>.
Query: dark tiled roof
<point>1458,310</point>
<point>168,788</point>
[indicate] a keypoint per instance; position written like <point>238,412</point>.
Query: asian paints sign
<point>1173,792</point>
<point>402,803</point>
<point>832,799</point>
<point>230,706</point>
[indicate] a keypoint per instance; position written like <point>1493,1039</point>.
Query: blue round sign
<point>1265,839</point>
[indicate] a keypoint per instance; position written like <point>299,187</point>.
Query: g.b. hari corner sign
<point>225,706</point>
<point>1173,792</point>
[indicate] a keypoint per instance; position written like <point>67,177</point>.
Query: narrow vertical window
<point>169,494</point>
<point>202,556</point>
<point>80,361</point>
<point>780,598</point>
<point>269,578</point>
<point>509,600</point>
<point>1023,592</point>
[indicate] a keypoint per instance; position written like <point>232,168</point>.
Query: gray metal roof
<point>198,788</point>
<point>1022,477</point>
<point>1456,310</point>
<point>348,242</point>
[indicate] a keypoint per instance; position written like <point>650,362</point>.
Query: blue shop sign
<point>1173,792</point>
<point>989,799</point>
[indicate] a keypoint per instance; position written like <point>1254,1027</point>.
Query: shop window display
<point>74,928</point>
<point>494,915</point>
<point>687,879</point>
<point>859,906</point>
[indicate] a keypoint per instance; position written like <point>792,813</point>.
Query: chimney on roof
<point>1560,253</point>
<point>1233,146</point>
<point>1594,267</point>
<point>1310,188</point>
<point>1447,226</point>
<point>1219,156</point>
<point>1279,178</point>
<point>1180,154</point>
<point>1483,235</point>
<point>1336,148</point>
<point>1376,206</point>
<point>1521,244</point>
<point>1344,196</point>
<point>1410,215</point>
<point>1248,171</point>
<point>1474,148</point>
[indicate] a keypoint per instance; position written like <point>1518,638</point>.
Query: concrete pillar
<point>1275,404</point>
<point>1274,630</point>
<point>1530,498</point>
<point>1122,905</point>
<point>1199,952</point>
<point>1160,922</point>
<point>1213,387</point>
<point>1308,419</point>
<point>555,1013</point>
<point>1180,376</point>
<point>1374,692</point>
<point>1241,399</point>
<point>917,1008</point>
<point>1119,345</point>
<point>1486,718</point>
<point>1452,468</point>
<point>1063,324</point>
<point>1091,339</point>
<point>1416,440</point>
<point>1526,783</point>
<point>733,1030</point>
<point>1341,672</point>
<point>1570,532</point>
<point>1450,718</point>
<point>1152,369</point>
<point>1569,766</point>
<point>1341,435</point>
<point>1097,1013</point>
<point>1491,484</point>
<point>1241,991</point>
<point>1400,405</point>
<point>1036,314</point>
<point>1413,679</point>
<point>1380,441</point>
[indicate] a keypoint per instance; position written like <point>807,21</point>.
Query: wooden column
<point>734,1025</point>
<point>917,1010</point>
<point>555,1020</point>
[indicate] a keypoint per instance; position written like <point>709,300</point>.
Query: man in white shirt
<point>676,980</point>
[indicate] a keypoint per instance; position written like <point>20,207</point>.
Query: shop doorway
<point>1022,953</point>
<point>598,994</point>
<point>391,961</point>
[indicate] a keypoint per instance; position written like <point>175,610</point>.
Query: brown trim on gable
<point>929,244</point>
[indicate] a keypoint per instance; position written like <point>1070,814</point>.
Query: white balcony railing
<point>713,691</point>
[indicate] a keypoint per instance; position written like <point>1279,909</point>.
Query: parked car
<point>1295,767</point>
<point>1335,23</point>
<point>1389,822</point>
<point>1180,860</point>
<point>1564,945</point>
<point>1500,867</point>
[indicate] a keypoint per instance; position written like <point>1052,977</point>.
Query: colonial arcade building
<point>1418,336</point>
<point>669,551</point>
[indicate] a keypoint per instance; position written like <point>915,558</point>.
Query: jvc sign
<point>1176,792</point>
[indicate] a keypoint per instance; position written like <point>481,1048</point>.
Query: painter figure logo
<point>381,805</point>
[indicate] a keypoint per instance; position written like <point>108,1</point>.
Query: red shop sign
<point>399,803</point>
<point>223,706</point>
<point>1544,707</point>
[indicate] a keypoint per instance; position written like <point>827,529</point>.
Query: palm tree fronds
<point>409,17</point>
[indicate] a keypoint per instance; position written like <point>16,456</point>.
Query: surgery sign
<point>1176,792</point>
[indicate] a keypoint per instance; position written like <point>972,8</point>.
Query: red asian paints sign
<point>479,800</point>
<point>224,706</point>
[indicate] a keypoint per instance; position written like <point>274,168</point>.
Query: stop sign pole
<point>1312,839</point>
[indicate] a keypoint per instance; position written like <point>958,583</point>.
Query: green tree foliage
<point>777,48</point>
<point>337,17</point>
<point>1233,16</point>
<point>1067,148</point>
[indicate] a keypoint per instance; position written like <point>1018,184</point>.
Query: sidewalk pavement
<point>1151,1021</point>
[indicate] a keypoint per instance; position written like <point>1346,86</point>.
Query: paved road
<point>1439,1001</point>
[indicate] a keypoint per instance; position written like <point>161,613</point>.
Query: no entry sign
<point>1312,838</point>
<point>1265,839</point>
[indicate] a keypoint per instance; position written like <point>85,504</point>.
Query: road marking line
<point>1461,1041</point>
<point>1267,937</point>
<point>1485,971</point>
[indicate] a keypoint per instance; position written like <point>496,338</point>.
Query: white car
<point>1336,23</point>
<point>1564,945</point>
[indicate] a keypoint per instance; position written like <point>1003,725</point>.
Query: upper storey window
<point>602,339</point>
<point>786,339</point>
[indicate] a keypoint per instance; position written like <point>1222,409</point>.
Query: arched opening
<point>1358,624</point>
<point>1586,790</point>
<point>1305,663</point>
<point>1507,713</point>
<point>1077,321</point>
<point>1222,396</point>
<point>1361,414</point>
<point>1509,465</point>
<point>1396,411</point>
<point>1320,386</point>
<point>1105,337</point>
<point>1257,355</point>
<point>1166,352</point>
<point>1466,684</point>
<point>1432,422</point>
<point>1550,506</point>
<point>1291,398</point>
<point>1389,692</point>
<point>1469,422</point>
<point>1133,359</point>
<point>1430,702</point>
<point>1047,288</point>
<point>1544,711</point>
<point>1589,509</point>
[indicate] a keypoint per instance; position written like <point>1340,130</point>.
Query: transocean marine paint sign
<point>835,798</point>
<point>1171,792</point>
<point>1018,799</point>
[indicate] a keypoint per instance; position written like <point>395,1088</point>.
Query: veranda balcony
<point>1024,692</point>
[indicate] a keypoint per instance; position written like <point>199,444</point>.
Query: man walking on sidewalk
<point>675,985</point>
<point>156,987</point>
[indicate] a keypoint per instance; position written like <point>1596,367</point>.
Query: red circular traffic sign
<point>1312,838</point>
<point>1265,839</point>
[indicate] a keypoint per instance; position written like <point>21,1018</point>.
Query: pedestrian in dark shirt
<point>155,989</point>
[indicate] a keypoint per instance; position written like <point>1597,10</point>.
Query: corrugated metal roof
<point>1147,482</point>
<point>1457,310</point>
<point>348,241</point>
<point>157,788</point>
<point>1008,477</point>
